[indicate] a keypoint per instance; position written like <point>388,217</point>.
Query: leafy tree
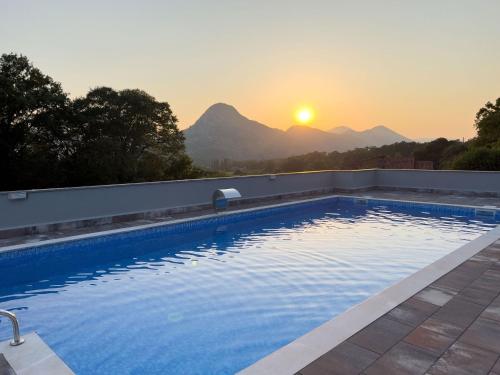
<point>483,153</point>
<point>108,136</point>
<point>450,154</point>
<point>488,125</point>
<point>438,150</point>
<point>33,114</point>
<point>125,136</point>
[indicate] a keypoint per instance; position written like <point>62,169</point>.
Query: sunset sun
<point>304,115</point>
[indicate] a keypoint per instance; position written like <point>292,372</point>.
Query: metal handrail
<point>18,340</point>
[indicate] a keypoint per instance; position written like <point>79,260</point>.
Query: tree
<point>33,112</point>
<point>438,151</point>
<point>108,136</point>
<point>125,136</point>
<point>488,125</point>
<point>483,153</point>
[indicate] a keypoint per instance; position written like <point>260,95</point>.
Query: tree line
<point>105,137</point>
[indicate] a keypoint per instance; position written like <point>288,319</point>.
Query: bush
<point>481,158</point>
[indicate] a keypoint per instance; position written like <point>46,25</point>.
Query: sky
<point>422,68</point>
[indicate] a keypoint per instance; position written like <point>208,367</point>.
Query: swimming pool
<point>212,296</point>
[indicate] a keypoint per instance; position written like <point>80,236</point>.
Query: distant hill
<point>377,136</point>
<point>223,133</point>
<point>342,130</point>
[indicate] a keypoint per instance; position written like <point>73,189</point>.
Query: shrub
<point>481,158</point>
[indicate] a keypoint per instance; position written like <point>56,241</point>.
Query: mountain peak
<point>381,127</point>
<point>221,107</point>
<point>341,130</point>
<point>220,115</point>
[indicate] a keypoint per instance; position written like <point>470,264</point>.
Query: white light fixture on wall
<point>17,195</point>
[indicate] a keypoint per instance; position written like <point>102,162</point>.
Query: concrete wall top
<point>480,182</point>
<point>80,203</point>
<point>48,206</point>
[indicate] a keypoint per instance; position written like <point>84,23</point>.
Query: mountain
<point>303,139</point>
<point>342,130</point>
<point>223,133</point>
<point>382,135</point>
<point>377,136</point>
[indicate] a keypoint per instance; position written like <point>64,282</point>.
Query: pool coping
<point>294,356</point>
<point>34,356</point>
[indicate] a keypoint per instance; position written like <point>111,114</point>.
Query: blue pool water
<point>213,296</point>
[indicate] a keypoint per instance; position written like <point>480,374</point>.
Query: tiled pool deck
<point>451,327</point>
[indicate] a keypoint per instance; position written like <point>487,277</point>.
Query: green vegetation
<point>483,153</point>
<point>441,152</point>
<point>479,158</point>
<point>106,137</point>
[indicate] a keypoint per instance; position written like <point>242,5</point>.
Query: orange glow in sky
<point>422,68</point>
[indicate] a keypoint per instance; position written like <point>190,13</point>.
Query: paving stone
<point>442,327</point>
<point>412,312</point>
<point>491,254</point>
<point>463,359</point>
<point>381,335</point>
<point>493,310</point>
<point>475,266</point>
<point>429,340</point>
<point>495,266</point>
<point>459,311</point>
<point>436,296</point>
<point>478,295</point>
<point>487,261</point>
<point>496,367</point>
<point>455,281</point>
<point>345,359</point>
<point>402,359</point>
<point>472,269</point>
<point>483,333</point>
<point>490,280</point>
<point>493,273</point>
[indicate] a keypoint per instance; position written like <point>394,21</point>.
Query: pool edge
<point>34,356</point>
<point>104,233</point>
<point>72,238</point>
